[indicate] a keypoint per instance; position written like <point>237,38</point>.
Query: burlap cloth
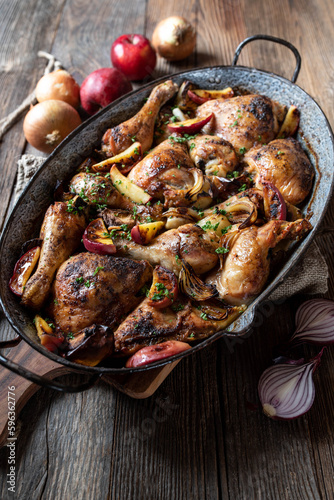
<point>310,276</point>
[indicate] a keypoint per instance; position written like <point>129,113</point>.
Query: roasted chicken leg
<point>61,233</point>
<point>247,265</point>
<point>96,289</point>
<point>140,126</point>
<point>244,121</point>
<point>283,163</point>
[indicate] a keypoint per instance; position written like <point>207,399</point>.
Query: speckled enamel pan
<point>315,135</point>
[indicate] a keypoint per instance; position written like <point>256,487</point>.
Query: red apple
<point>97,240</point>
<point>23,269</point>
<point>164,288</point>
<point>102,87</point>
<point>153,353</point>
<point>134,56</point>
<point>192,126</point>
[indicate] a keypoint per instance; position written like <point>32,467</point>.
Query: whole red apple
<point>134,56</point>
<point>102,87</point>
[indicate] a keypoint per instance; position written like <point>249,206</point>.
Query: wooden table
<point>196,437</point>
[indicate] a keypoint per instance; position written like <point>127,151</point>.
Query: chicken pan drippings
<point>165,236</point>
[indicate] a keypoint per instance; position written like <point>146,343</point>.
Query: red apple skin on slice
<point>95,238</point>
<point>199,96</point>
<point>144,233</point>
<point>192,126</point>
<point>164,289</point>
<point>153,353</point>
<point>23,270</point>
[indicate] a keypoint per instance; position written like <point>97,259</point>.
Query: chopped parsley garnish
<point>79,280</point>
<point>204,316</point>
<point>242,151</point>
<point>99,268</point>
<point>234,124</point>
<point>178,307</point>
<point>242,188</point>
<point>225,229</point>
<point>221,250</point>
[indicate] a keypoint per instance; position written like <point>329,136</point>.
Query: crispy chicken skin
<point>244,121</point>
<point>140,126</point>
<point>98,190</point>
<point>147,325</point>
<point>165,174</point>
<point>100,289</point>
<point>186,242</point>
<point>213,155</point>
<point>247,265</point>
<point>283,163</point>
<point>61,233</point>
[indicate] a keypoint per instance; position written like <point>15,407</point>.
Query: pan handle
<point>271,39</point>
<point>37,379</point>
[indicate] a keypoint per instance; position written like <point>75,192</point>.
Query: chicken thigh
<point>61,233</point>
<point>140,126</point>
<point>244,121</point>
<point>96,289</point>
<point>247,264</point>
<point>166,173</point>
<point>213,154</point>
<point>283,163</point>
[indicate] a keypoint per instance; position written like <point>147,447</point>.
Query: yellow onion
<point>192,286</point>
<point>174,38</point>
<point>59,85</point>
<point>48,123</point>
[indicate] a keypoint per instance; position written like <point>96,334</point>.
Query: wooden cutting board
<point>139,386</point>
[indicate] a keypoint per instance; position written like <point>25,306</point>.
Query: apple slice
<point>23,269</point>
<point>153,353</point>
<point>290,123</point>
<point>128,188</point>
<point>200,96</point>
<point>124,160</point>
<point>192,126</point>
<point>164,288</point>
<point>49,339</point>
<point>144,233</point>
<point>96,238</point>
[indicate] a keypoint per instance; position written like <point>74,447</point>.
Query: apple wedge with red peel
<point>192,126</point>
<point>144,233</point>
<point>124,160</point>
<point>273,202</point>
<point>96,238</point>
<point>199,96</point>
<point>164,289</point>
<point>153,353</point>
<point>49,339</point>
<point>128,188</point>
<point>23,269</point>
<point>290,124</point>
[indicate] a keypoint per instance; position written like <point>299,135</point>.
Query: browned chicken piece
<point>147,325</point>
<point>283,163</point>
<point>213,155</point>
<point>140,126</point>
<point>96,189</point>
<point>247,264</point>
<point>61,233</point>
<point>187,242</point>
<point>244,121</point>
<point>167,173</point>
<point>96,289</point>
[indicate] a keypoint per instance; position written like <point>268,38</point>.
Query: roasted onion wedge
<point>192,286</point>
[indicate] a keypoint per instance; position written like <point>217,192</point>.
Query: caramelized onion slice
<point>179,216</point>
<point>192,286</point>
<point>240,210</point>
<point>198,176</point>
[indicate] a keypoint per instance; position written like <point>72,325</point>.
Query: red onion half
<point>286,390</point>
<point>314,323</point>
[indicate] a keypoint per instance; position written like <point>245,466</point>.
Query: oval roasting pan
<point>314,134</point>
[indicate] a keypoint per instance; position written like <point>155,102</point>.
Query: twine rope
<point>7,122</point>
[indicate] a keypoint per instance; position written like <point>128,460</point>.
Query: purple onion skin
<point>281,395</point>
<point>314,323</point>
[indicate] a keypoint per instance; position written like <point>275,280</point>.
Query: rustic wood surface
<point>197,436</point>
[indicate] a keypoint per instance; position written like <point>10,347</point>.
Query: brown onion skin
<point>181,31</point>
<point>48,123</point>
<point>59,85</point>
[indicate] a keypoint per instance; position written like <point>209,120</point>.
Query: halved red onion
<point>286,390</point>
<point>314,323</point>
